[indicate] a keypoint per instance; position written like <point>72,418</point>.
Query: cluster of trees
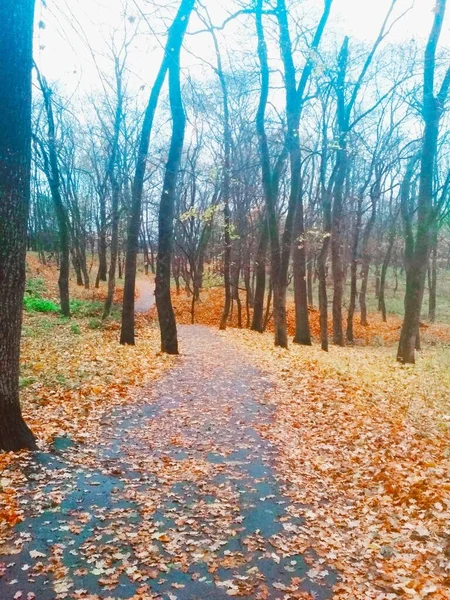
<point>300,159</point>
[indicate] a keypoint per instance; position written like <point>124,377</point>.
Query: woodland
<point>224,300</point>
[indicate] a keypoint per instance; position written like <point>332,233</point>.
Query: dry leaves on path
<point>371,469</point>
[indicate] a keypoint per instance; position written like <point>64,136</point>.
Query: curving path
<point>178,500</point>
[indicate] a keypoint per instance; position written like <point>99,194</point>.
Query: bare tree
<point>418,248</point>
<point>15,165</point>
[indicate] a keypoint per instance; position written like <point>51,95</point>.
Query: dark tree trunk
<point>432,283</point>
<point>146,256</point>
<point>260,288</point>
<point>172,49</point>
<point>309,280</point>
<point>281,246</point>
<point>323,296</point>
<point>102,272</point>
<point>417,263</point>
<point>115,217</point>
<point>166,315</point>
<point>336,246</point>
<point>302,332</point>
<point>16,18</point>
<point>365,254</point>
<point>384,269</point>
<point>227,139</point>
<point>354,272</point>
<point>77,267</point>
<point>51,168</point>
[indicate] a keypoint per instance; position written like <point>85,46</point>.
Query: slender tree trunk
<point>433,283</point>
<point>166,315</point>
<point>172,49</point>
<point>51,168</point>
<point>384,270</point>
<point>260,288</point>
<point>77,267</point>
<point>336,247</point>
<point>115,217</point>
<point>102,272</point>
<point>309,280</point>
<point>16,18</point>
<point>302,332</point>
<point>323,296</point>
<point>354,272</point>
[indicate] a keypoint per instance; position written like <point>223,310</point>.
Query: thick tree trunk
<point>16,18</point>
<point>419,253</point>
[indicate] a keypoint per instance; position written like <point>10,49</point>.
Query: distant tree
<point>16,17</point>
<point>51,168</point>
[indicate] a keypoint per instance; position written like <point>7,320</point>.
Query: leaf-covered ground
<point>364,448</point>
<point>237,469</point>
<point>173,497</point>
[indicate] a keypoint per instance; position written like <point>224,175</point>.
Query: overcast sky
<point>63,54</point>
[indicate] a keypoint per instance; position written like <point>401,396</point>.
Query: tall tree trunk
<point>227,140</point>
<point>172,49</point>
<point>166,315</point>
<point>384,269</point>
<point>115,217</point>
<point>102,272</point>
<point>309,279</point>
<point>432,282</point>
<point>426,216</point>
<point>302,331</point>
<point>16,18</point>
<point>354,272</point>
<point>51,168</point>
<point>365,254</point>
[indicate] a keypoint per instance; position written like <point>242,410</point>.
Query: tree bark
<point>52,172</point>
<point>354,271</point>
<point>260,287</point>
<point>16,17</point>
<point>426,215</point>
<point>302,331</point>
<point>384,269</point>
<point>432,283</point>
<point>166,315</point>
<point>172,48</point>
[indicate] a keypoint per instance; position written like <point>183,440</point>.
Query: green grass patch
<point>36,304</point>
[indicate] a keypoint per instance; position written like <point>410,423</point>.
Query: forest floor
<point>236,469</point>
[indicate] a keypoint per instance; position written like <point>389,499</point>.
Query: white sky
<point>64,57</point>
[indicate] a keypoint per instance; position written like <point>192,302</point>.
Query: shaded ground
<point>177,499</point>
